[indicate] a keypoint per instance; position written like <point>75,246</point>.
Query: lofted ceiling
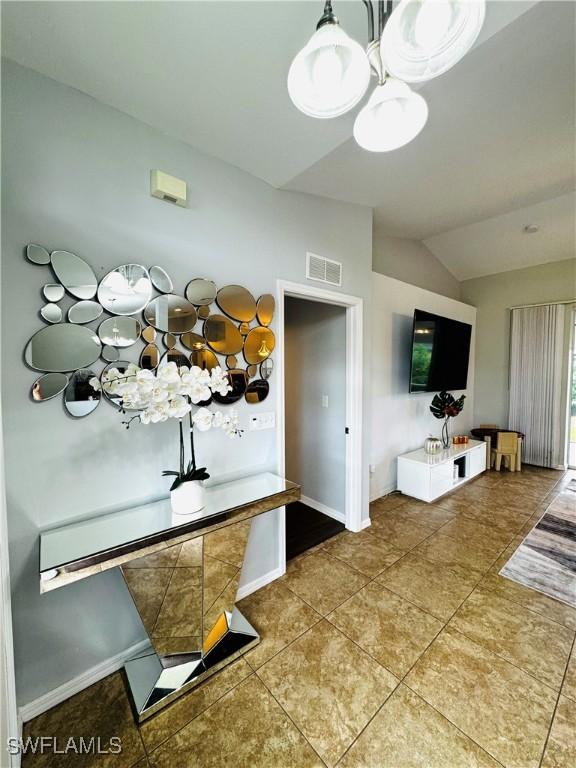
<point>500,137</point>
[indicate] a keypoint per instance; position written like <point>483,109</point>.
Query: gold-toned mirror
<point>244,328</point>
<point>258,345</point>
<point>200,292</point>
<point>204,358</point>
<point>265,309</point>
<point>238,380</point>
<point>149,334</point>
<point>175,356</point>
<point>252,370</point>
<point>193,340</point>
<point>222,335</point>
<point>237,302</point>
<point>203,312</point>
<point>257,391</point>
<point>170,313</point>
<point>150,357</point>
<point>231,361</point>
<point>169,340</point>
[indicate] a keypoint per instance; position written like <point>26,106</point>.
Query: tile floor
<point>398,647</point>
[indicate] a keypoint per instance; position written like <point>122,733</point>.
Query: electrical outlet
<point>260,421</point>
<point>372,468</point>
<point>324,401</point>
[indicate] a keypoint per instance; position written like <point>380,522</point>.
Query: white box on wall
<point>167,187</point>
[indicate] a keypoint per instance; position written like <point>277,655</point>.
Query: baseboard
<point>66,690</point>
<point>365,524</point>
<point>246,589</point>
<point>319,507</point>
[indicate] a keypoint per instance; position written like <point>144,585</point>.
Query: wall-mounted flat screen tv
<point>440,352</point>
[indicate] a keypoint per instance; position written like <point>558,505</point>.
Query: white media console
<point>428,476</point>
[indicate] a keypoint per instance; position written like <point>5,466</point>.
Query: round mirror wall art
<point>150,357</point>
<point>119,331</point>
<point>259,345</point>
<point>237,302</point>
<point>122,367</point>
<point>175,356</point>
<point>53,292</point>
<point>37,254</point>
<point>51,313</point>
<point>231,361</point>
<point>222,335</point>
<point>244,328</point>
<point>193,340</point>
<point>161,280</point>
<point>84,312</point>
<point>74,273</point>
<point>238,380</point>
<point>125,290</point>
<point>257,391</point>
<point>49,385</point>
<point>200,292</point>
<point>63,347</point>
<point>110,354</point>
<point>266,368</point>
<point>203,312</point>
<point>170,314</point>
<point>149,334</point>
<point>169,340</point>
<point>80,398</point>
<point>204,358</point>
<point>265,309</point>
<point>252,370</point>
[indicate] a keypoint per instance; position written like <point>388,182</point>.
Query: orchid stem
<point>181,448</point>
<point>192,454</point>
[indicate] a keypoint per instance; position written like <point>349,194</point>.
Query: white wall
<point>401,421</point>
<point>315,355</point>
<point>76,176</point>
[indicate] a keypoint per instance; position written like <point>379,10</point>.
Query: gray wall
<point>76,176</point>
<point>493,296</point>
<point>315,354</point>
<point>412,262</point>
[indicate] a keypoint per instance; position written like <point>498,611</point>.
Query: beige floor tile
<point>244,728</point>
<point>398,530</point>
<point>365,553</point>
<point>500,707</point>
<point>476,557</point>
<point>520,636</point>
<point>436,588</point>
<point>560,750</point>
<point>454,503</point>
<point>329,687</point>
<point>569,687</point>
<point>102,710</point>
<point>322,581</point>
<point>472,530</point>
<point>168,721</point>
<point>497,516</point>
<point>279,616</point>
<point>408,733</point>
<point>392,501</point>
<point>427,515</point>
<point>391,629</point>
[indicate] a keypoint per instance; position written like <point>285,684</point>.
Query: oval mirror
<point>37,254</point>
<point>266,368</point>
<point>175,356</point>
<point>80,397</point>
<point>121,366</point>
<point>252,370</point>
<point>169,340</point>
<point>203,312</point>
<point>193,340</point>
<point>74,273</point>
<point>200,292</point>
<point>53,291</point>
<point>244,328</point>
<point>48,386</point>
<point>119,331</point>
<point>222,335</point>
<point>204,358</point>
<point>171,314</point>
<point>257,391</point>
<point>84,312</point>
<point>62,347</point>
<point>125,290</point>
<point>150,357</point>
<point>161,280</point>
<point>110,354</point>
<point>238,380</point>
<point>258,345</point>
<point>265,309</point>
<point>231,361</point>
<point>236,302</point>
<point>51,313</point>
<point>149,334</point>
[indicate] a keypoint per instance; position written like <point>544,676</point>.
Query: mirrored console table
<point>182,574</point>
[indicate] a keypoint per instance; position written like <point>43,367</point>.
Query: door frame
<point>354,393</point>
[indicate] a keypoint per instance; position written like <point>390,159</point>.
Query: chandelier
<point>412,43</point>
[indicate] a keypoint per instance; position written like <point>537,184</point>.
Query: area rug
<point>546,559</point>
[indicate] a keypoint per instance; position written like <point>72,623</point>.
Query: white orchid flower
<point>203,419</point>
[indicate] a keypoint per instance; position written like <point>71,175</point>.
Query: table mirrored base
<point>155,681</point>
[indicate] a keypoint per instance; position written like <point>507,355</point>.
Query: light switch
<point>324,401</point>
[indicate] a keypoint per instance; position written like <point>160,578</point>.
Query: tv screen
<point>440,352</point>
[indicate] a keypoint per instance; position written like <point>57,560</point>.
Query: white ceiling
<point>213,74</point>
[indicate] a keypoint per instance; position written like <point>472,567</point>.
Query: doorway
<point>320,411</point>
<point>572,397</point>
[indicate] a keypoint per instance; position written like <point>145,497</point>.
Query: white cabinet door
<point>441,479</point>
<point>477,460</point>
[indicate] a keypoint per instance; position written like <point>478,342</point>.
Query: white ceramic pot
<point>187,498</point>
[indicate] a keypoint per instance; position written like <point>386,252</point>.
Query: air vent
<point>323,270</point>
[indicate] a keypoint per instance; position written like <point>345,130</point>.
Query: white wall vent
<point>323,270</point>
